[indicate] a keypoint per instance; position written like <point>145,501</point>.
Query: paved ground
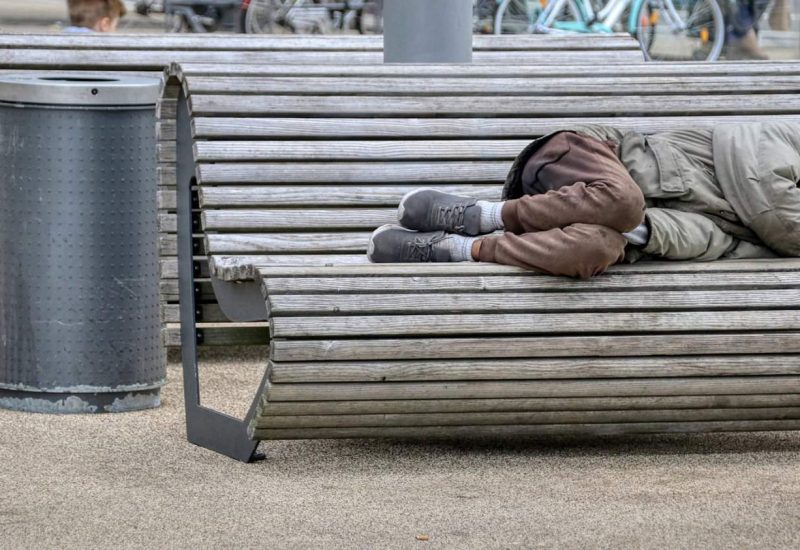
<point>132,480</point>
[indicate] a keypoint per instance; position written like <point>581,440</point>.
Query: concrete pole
<point>427,31</point>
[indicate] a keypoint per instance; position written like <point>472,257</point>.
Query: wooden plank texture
<point>520,418</point>
<point>496,127</point>
<point>251,243</point>
<point>514,301</point>
<point>356,150</point>
<point>546,106</point>
<point>422,173</point>
<point>306,219</point>
<point>133,60</point>
<point>536,346</point>
<point>461,432</point>
<point>486,389</point>
<point>533,369</point>
<point>618,41</point>
<point>246,267</point>
<point>417,406</point>
<point>541,86</point>
<point>574,69</point>
<point>528,282</point>
<point>534,323</point>
<point>387,194</point>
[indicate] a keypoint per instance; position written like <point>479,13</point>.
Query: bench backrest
<point>297,170</point>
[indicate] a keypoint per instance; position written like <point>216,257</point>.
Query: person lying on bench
<point>577,201</point>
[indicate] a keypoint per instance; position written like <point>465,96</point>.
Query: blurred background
<point>777,25</point>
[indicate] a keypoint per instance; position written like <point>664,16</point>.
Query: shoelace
<point>421,248</point>
<point>451,217</point>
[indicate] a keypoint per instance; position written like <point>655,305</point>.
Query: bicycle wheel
<point>513,17</point>
<point>679,30</point>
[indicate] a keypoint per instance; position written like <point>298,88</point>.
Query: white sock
<point>491,216</point>
<point>638,236</point>
<point>460,247</point>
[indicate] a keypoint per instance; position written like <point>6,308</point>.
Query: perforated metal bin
<point>79,310</point>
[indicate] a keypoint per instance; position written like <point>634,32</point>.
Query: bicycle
<point>312,16</point>
<point>197,16</point>
<point>671,30</point>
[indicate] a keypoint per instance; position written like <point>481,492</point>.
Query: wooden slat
<point>619,41</point>
<point>167,199</point>
<point>461,432</point>
<point>169,290</point>
<point>574,69</point>
<point>528,302</point>
<point>434,269</point>
<point>545,106</point>
<point>497,127</point>
<point>167,222</point>
<point>355,172</point>
<point>209,313</point>
<point>426,347</point>
<point>246,267</point>
<point>353,150</point>
<point>323,195</point>
<point>417,406</point>
<point>308,219</point>
<point>241,268</point>
<point>254,243</point>
<point>533,388</point>
<point>529,282</point>
<point>239,334</point>
<point>159,59</point>
<point>520,418</point>
<point>166,151</point>
<point>544,323</point>
<point>533,369</point>
<point>604,86</point>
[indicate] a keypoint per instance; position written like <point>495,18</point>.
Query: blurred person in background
<point>742,42</point>
<point>94,15</point>
<point>780,16</point>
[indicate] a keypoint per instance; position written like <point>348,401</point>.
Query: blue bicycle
<point>668,30</point>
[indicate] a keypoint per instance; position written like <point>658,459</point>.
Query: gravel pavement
<point>131,480</point>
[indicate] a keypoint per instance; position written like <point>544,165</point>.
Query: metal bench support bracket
<point>204,427</point>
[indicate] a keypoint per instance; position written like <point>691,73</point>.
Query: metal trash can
<point>79,273</point>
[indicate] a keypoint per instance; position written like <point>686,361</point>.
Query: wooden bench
<point>289,56</point>
<point>287,186</point>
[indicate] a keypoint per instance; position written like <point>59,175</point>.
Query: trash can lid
<point>79,89</point>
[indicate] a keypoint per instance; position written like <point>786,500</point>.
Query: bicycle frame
<point>587,20</point>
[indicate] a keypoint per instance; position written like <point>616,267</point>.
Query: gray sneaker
<point>395,244</point>
<point>432,210</point>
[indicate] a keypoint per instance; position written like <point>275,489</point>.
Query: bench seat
<point>407,350</point>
